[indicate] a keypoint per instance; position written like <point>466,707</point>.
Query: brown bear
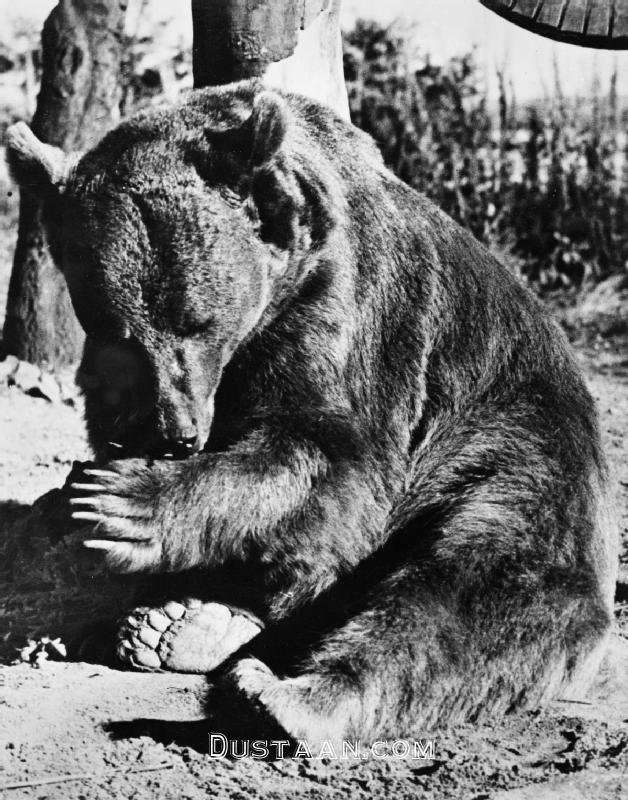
<point>302,375</point>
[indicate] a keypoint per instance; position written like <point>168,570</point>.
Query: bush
<point>544,185</point>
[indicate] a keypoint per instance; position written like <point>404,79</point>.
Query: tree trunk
<point>82,43</point>
<point>290,44</point>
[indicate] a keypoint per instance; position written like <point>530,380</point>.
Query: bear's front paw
<point>121,500</point>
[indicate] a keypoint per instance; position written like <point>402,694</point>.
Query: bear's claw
<point>191,636</point>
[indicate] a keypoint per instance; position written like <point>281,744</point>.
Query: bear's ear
<point>269,123</point>
<point>35,166</point>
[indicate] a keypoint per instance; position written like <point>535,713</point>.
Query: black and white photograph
<point>314,399</point>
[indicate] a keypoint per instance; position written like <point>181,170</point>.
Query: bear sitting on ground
<point>298,370</point>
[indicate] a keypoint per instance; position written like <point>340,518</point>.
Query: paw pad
<point>192,636</point>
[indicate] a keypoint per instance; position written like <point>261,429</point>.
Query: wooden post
<point>82,44</point>
<point>290,44</point>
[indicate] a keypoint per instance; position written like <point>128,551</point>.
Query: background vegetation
<point>544,184</point>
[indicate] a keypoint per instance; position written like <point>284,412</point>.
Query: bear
<point>302,375</point>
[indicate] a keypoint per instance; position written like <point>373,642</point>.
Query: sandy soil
<point>54,719</point>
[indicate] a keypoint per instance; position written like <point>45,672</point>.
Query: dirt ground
<point>54,717</point>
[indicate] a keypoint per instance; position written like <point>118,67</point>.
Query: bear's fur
<point>386,430</point>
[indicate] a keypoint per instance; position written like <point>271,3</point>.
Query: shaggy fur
<point>385,429</point>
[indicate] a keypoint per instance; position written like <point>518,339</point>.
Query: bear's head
<point>181,234</point>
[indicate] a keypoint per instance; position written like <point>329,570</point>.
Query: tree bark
<point>290,44</point>
<point>82,46</point>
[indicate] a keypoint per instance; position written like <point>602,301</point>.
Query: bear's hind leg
<point>422,656</point>
<point>364,678</point>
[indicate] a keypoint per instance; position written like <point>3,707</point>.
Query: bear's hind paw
<point>191,636</point>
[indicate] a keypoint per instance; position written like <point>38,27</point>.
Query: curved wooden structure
<point>589,23</point>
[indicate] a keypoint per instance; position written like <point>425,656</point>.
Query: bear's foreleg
<point>270,494</point>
